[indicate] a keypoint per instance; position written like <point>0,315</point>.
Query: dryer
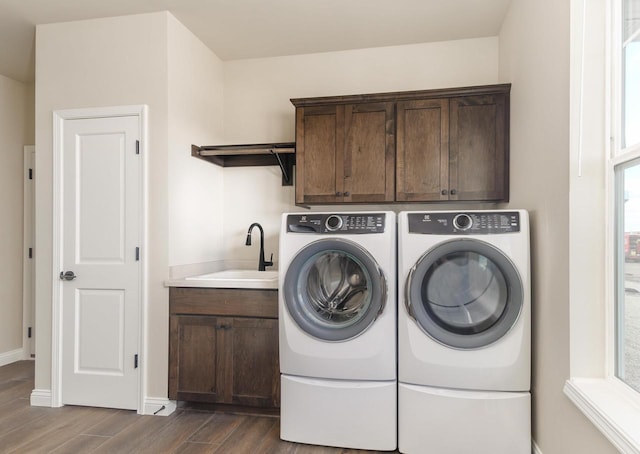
<point>464,334</point>
<point>337,321</point>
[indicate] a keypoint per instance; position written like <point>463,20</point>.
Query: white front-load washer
<point>337,315</point>
<point>464,332</point>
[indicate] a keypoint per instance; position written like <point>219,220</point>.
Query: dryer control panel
<point>471,223</point>
<point>356,223</point>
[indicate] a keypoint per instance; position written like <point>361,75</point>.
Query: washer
<point>464,332</point>
<point>337,312</point>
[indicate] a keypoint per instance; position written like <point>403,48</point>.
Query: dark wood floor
<point>73,430</point>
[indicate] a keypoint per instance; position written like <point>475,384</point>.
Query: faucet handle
<point>270,262</point>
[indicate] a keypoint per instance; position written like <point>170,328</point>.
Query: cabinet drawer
<point>224,302</point>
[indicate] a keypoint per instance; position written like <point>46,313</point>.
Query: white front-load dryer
<point>464,334</point>
<point>337,315</point>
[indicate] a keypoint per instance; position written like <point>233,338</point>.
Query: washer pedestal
<point>342,413</point>
<point>434,420</point>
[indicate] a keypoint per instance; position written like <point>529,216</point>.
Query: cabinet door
<point>194,362</point>
<point>369,152</point>
<point>254,376</point>
<point>478,141</point>
<point>345,153</point>
<point>422,159</point>
<point>319,154</point>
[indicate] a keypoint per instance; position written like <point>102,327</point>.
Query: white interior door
<point>101,219</point>
<point>28,281</point>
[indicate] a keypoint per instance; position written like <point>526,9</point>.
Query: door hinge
<point>135,361</point>
<point>29,332</point>
<point>30,252</point>
<point>137,254</point>
<point>31,174</point>
<point>137,147</point>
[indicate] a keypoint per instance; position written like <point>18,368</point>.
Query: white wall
<point>16,130</point>
<point>199,212</point>
<point>258,110</point>
<point>587,170</point>
<point>534,57</point>
<point>83,64</point>
<point>195,109</point>
<point>105,62</point>
<point>144,59</point>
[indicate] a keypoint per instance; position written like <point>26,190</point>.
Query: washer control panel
<point>471,223</point>
<point>351,223</point>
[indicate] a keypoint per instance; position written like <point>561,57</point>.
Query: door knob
<point>67,275</point>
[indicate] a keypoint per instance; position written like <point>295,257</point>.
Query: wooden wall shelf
<point>267,154</point>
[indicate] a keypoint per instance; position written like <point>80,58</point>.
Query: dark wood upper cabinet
<point>369,155</point>
<point>422,155</point>
<point>319,163</point>
<point>478,141</point>
<point>419,146</point>
<point>345,153</point>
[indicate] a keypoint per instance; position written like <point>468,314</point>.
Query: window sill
<point>611,406</point>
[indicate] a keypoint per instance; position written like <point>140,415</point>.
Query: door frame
<point>59,118</point>
<point>28,264</point>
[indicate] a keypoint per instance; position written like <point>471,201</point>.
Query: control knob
<point>333,223</point>
<point>462,222</point>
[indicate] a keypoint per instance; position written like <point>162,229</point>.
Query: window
<point>605,218</point>
<point>630,73</point>
<point>627,197</point>
<point>627,320</point>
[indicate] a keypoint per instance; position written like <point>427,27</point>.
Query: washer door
<point>334,289</point>
<point>464,293</point>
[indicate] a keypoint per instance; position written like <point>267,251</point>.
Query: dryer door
<point>334,289</point>
<point>464,293</point>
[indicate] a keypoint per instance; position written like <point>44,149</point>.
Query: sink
<point>238,278</point>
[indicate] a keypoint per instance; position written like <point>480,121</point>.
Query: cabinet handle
<point>338,193</point>
<point>224,326</point>
<point>347,194</point>
<point>454,192</point>
<point>444,192</point>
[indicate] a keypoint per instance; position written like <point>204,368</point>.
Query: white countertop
<point>243,279</point>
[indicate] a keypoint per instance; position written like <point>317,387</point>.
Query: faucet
<point>261,262</point>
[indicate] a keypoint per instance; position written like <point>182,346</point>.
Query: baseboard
<point>535,449</point>
<point>152,406</point>
<point>11,357</point>
<point>158,407</point>
<point>41,398</point>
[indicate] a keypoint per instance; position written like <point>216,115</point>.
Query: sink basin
<point>238,278</point>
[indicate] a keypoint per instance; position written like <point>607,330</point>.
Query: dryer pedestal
<point>341,413</point>
<point>435,420</point>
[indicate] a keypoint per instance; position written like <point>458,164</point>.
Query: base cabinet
<point>220,350</point>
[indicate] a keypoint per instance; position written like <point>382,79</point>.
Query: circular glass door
<point>464,293</point>
<point>334,289</point>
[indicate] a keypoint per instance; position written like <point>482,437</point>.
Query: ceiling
<point>239,29</point>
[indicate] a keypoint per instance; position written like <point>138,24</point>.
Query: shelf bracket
<point>286,176</point>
